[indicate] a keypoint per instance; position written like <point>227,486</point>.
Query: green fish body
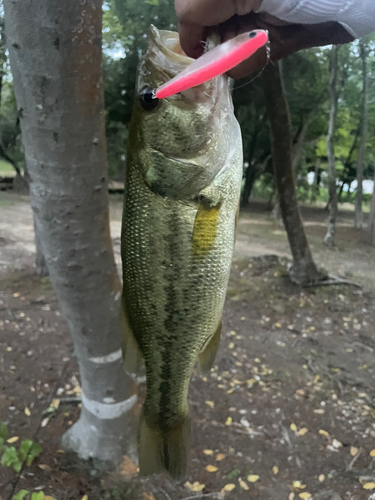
<point>184,171</point>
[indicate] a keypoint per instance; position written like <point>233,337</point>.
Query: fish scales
<point>181,197</point>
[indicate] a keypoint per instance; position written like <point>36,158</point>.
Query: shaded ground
<point>290,399</point>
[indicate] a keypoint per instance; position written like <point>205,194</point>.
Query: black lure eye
<point>148,100</point>
<point>252,34</point>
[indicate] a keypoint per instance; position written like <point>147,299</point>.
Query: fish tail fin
<point>206,358</point>
<point>131,354</point>
<point>163,449</point>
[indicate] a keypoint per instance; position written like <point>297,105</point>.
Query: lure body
<point>215,62</point>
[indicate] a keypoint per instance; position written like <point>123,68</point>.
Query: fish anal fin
<point>163,449</point>
<point>206,358</point>
<point>131,354</point>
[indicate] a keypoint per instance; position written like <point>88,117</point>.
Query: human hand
<point>232,17</point>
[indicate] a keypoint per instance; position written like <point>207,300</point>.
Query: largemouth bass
<point>184,171</point>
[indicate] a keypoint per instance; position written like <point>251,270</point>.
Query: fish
<point>182,190</point>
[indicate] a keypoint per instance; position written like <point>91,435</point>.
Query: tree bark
<point>55,55</point>
<point>250,174</point>
<point>371,219</point>
<point>303,270</point>
<point>315,184</point>
<point>41,268</point>
<point>298,145</point>
<point>358,220</point>
<point>329,238</point>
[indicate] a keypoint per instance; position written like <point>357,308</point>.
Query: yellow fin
<point>131,354</point>
<point>204,232</point>
<point>207,357</point>
<point>161,450</point>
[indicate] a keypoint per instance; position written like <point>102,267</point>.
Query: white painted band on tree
<point>108,358</point>
<point>106,411</point>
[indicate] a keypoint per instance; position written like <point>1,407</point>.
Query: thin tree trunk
<point>55,55</point>
<point>358,222</point>
<point>315,184</point>
<point>250,174</point>
<point>329,238</point>
<point>371,219</point>
<point>298,145</point>
<point>303,270</point>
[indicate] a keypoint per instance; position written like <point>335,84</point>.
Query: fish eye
<point>148,100</point>
<point>252,34</point>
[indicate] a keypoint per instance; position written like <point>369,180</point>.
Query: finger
<point>195,15</point>
<point>191,38</point>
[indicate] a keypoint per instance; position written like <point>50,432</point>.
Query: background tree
<point>358,222</point>
<point>303,270</point>
<point>329,238</point>
<point>55,54</point>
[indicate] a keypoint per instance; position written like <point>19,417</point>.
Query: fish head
<point>185,128</point>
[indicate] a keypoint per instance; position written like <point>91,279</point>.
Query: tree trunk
<point>298,145</point>
<point>315,184</point>
<point>329,238</point>
<point>41,268</point>
<point>55,55</point>
<point>358,221</point>
<point>303,270</point>
<point>250,174</point>
<point>371,219</point>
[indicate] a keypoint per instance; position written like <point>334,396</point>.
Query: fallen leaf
<point>208,452</point>
<point>220,456</point>
<point>55,403</point>
<point>297,484</point>
<point>369,486</point>
<point>321,478</point>
<point>304,495</point>
<point>45,467</point>
<point>253,478</point>
<point>148,496</point>
<point>319,411</point>
<point>323,432</point>
<point>27,412</point>
<point>303,431</point>
<point>275,469</point>
<point>60,451</point>
<point>353,451</point>
<point>211,404</point>
<point>128,467</point>
<point>336,444</point>
<point>229,421</point>
<point>85,497</point>
<point>228,487</point>
<point>12,439</point>
<point>291,496</point>
<point>293,427</point>
<point>16,295</point>
<point>243,485</point>
<point>278,325</point>
<point>372,453</point>
<point>45,422</point>
<point>196,486</point>
<point>211,468</point>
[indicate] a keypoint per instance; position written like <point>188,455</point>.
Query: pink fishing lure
<point>215,62</point>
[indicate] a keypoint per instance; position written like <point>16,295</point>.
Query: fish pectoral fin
<point>207,357</point>
<point>131,354</point>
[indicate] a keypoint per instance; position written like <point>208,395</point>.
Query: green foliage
<point>11,457</point>
<point>27,495</point>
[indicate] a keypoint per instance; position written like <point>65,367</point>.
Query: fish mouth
<point>163,60</point>
<point>168,43</point>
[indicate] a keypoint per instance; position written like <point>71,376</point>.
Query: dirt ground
<point>288,411</point>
